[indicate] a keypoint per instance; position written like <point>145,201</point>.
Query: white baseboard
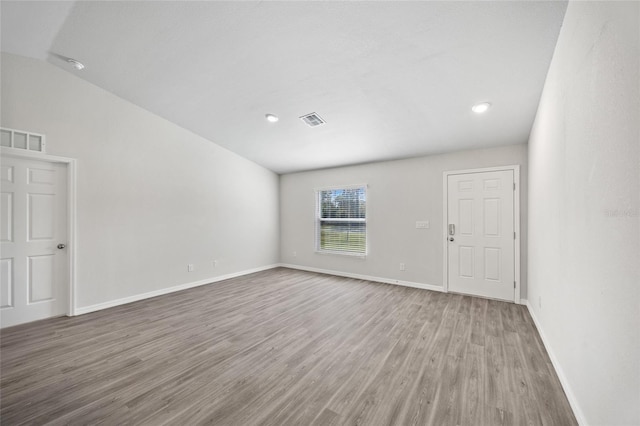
<point>573,401</point>
<point>160,292</point>
<point>123,301</point>
<point>365,277</point>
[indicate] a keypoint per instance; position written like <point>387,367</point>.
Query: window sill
<point>362,256</point>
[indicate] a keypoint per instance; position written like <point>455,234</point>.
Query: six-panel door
<point>33,222</point>
<point>481,250</point>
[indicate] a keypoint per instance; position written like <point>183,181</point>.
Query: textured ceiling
<point>391,79</point>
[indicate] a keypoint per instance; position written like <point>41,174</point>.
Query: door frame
<point>71,164</point>
<point>516,222</point>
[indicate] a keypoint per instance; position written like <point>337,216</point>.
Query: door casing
<point>516,214</point>
<point>71,164</point>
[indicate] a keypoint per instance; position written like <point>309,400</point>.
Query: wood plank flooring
<point>284,347</point>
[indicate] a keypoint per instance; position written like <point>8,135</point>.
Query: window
<point>341,225</point>
<point>12,138</point>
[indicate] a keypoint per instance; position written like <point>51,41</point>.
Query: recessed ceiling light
<point>481,107</point>
<point>271,118</point>
<point>77,65</point>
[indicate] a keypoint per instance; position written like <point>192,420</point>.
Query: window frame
<point>319,220</point>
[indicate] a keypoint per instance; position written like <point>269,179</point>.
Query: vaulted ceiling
<point>391,79</point>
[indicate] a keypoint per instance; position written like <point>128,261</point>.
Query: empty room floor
<point>285,347</point>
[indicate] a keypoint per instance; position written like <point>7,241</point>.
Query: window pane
<point>35,143</point>
<point>343,236</point>
<point>6,138</point>
<point>343,203</point>
<point>19,140</point>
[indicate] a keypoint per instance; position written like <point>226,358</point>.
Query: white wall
<point>584,218</point>
<point>152,197</point>
<point>399,194</point>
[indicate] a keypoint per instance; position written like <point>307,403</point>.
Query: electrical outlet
<point>402,267</point>
<point>190,267</point>
<point>215,263</point>
<point>422,224</point>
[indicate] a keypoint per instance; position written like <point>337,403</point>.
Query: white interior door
<point>481,239</point>
<point>33,219</point>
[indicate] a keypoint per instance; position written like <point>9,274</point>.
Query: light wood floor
<point>285,347</point>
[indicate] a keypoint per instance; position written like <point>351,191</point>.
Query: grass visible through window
<point>347,237</point>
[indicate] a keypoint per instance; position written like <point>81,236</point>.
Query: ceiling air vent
<point>312,119</point>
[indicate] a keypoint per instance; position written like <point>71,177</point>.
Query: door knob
<point>61,246</point>
<point>451,239</point>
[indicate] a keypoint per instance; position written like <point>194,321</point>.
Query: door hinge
<point>514,284</point>
<point>514,235</point>
<point>514,186</point>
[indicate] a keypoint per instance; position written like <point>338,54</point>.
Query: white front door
<point>33,219</point>
<point>480,234</point>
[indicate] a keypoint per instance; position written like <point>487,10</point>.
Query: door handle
<point>452,229</point>
<point>61,246</point>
